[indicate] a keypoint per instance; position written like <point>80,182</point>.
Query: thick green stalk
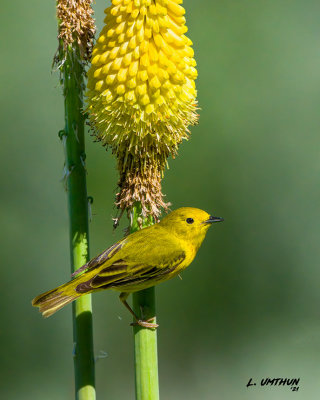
<point>145,339</point>
<point>73,138</point>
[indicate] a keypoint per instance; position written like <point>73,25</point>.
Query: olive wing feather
<point>147,262</point>
<point>101,258</point>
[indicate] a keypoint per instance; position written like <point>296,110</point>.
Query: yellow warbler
<point>138,261</point>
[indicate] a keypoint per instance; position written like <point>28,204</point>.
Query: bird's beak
<point>213,219</point>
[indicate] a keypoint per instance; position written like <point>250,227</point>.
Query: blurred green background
<point>249,305</point>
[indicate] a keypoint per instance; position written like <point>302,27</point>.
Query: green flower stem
<point>145,339</point>
<point>73,138</point>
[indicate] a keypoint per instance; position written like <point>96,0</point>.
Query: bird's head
<point>189,224</point>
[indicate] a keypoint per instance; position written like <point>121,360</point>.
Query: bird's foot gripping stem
<point>140,322</point>
<point>145,324</point>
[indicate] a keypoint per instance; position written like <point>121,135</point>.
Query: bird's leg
<point>123,297</point>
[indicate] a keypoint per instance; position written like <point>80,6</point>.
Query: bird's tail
<point>53,300</point>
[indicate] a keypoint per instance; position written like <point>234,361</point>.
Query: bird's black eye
<point>190,220</point>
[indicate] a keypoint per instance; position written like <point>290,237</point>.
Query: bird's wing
<point>131,271</point>
<point>101,258</point>
<point>129,275</point>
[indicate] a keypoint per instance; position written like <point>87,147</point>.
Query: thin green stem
<point>73,139</point>
<point>145,339</point>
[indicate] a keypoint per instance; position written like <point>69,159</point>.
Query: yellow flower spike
<point>141,93</point>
